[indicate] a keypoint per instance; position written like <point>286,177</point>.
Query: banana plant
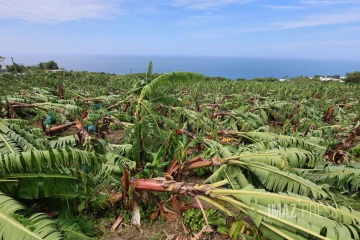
<point>277,215</point>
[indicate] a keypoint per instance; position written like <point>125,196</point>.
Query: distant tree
<point>241,79</point>
<point>303,79</point>
<point>51,65</point>
<point>41,65</point>
<point>19,68</point>
<point>335,76</point>
<point>353,77</point>
<point>269,79</point>
<point>217,79</point>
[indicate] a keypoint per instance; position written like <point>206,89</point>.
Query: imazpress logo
<point>301,210</point>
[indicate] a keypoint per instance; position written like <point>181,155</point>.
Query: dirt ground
<point>114,136</point>
<point>158,230</point>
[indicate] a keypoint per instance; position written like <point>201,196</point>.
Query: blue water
<point>229,67</point>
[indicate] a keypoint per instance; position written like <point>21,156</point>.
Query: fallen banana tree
<point>270,168</point>
<point>277,215</point>
<point>56,128</point>
<point>339,153</point>
<point>290,206</point>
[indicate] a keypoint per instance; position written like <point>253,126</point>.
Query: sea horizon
<point>223,66</point>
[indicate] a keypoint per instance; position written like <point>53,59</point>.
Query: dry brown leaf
<point>176,236</point>
<point>125,187</point>
<point>224,236</point>
<point>186,231</point>
<point>169,236</point>
<point>155,214</point>
<point>176,204</point>
<point>117,223</point>
<point>180,237</point>
<point>197,236</point>
<point>52,213</point>
<point>184,206</point>
<point>171,217</point>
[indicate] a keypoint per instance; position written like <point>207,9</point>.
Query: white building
<point>332,79</point>
<point>2,64</point>
<point>325,79</point>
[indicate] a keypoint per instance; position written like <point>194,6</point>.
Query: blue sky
<point>241,28</point>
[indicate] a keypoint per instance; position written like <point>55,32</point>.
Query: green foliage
<point>269,79</point>
<point>19,68</point>
<point>222,79</point>
<point>193,218</point>
<point>304,80</point>
<point>76,229</point>
<point>353,77</point>
<point>51,65</point>
<point>16,226</point>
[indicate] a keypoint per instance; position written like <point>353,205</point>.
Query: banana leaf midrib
<point>281,173</point>
<point>4,127</point>
<point>6,143</point>
<point>332,173</point>
<point>9,220</point>
<point>41,175</point>
<point>277,231</point>
<point>272,195</point>
<point>237,203</point>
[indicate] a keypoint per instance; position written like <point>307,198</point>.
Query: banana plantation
<point>225,159</point>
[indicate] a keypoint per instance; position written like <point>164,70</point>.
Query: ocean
<point>229,67</point>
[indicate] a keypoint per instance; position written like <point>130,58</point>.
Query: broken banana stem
<point>163,185</point>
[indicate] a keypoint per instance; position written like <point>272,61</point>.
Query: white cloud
<point>54,11</point>
<point>207,4</point>
<point>318,20</point>
<point>283,7</point>
<point>203,27</point>
<point>329,2</point>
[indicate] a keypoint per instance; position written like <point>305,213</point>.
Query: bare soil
<point>114,136</point>
<point>157,230</point>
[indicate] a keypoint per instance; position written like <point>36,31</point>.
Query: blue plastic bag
<point>97,106</point>
<point>91,128</point>
<point>50,119</point>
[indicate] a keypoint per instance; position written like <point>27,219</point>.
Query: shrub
<point>353,77</point>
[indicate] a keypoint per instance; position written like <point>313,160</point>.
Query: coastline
<point>227,67</point>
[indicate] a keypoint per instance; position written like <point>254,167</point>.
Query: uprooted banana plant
<point>277,215</point>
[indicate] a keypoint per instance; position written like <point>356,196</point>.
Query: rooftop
<point>58,70</point>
